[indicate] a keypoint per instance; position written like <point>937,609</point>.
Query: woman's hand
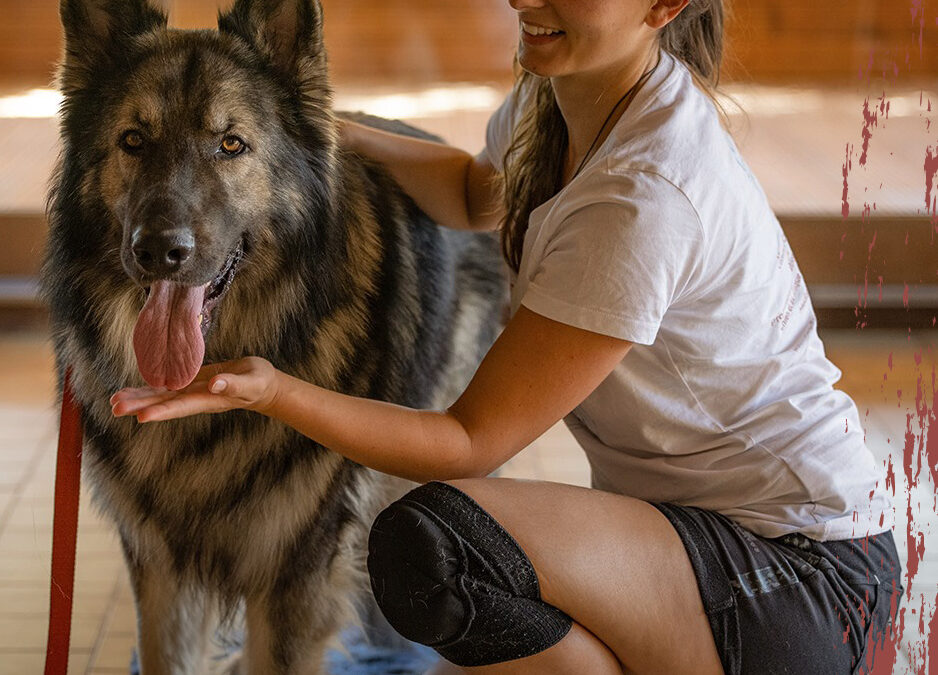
<point>251,383</point>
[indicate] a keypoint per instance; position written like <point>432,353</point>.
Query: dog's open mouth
<point>220,285</point>
<point>169,338</point>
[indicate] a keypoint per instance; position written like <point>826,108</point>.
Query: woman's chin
<point>537,65</point>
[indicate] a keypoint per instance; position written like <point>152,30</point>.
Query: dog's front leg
<point>174,622</point>
<point>288,634</point>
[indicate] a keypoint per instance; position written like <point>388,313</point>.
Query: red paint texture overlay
<point>910,383</point>
<point>931,167</point>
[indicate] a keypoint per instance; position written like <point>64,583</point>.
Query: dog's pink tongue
<point>168,338</point>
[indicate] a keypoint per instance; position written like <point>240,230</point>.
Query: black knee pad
<point>447,575</point>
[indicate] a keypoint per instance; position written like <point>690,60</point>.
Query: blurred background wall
<point>778,41</point>
<point>835,120</point>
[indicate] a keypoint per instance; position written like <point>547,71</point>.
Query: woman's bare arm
<point>536,372</point>
<point>450,185</point>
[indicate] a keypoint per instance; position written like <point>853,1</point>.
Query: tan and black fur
<point>343,282</point>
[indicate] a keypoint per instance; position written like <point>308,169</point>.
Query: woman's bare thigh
<point>614,564</point>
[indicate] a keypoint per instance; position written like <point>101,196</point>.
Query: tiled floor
<point>103,616</point>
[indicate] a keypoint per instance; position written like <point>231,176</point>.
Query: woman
<point>739,523</point>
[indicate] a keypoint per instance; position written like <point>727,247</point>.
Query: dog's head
<point>190,146</point>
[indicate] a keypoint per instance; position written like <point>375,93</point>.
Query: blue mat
<point>361,658</point>
<point>366,659</point>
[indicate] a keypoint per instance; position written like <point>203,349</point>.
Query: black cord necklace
<point>634,88</point>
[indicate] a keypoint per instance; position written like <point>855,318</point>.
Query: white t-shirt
<point>725,401</point>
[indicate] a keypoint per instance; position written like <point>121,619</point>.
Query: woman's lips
<point>534,34</point>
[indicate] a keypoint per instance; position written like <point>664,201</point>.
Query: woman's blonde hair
<point>534,160</point>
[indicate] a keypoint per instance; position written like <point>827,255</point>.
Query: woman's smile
<point>559,38</point>
<point>534,34</point>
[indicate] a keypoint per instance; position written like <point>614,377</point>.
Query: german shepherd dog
<point>203,210</point>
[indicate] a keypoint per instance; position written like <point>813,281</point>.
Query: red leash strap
<point>64,533</point>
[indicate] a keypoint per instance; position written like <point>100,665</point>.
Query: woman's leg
<point>579,652</point>
<point>613,564</point>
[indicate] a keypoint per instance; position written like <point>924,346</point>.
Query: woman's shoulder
<point>676,143</point>
<point>618,204</point>
<point>675,131</point>
<point>500,127</point>
<point>628,185</point>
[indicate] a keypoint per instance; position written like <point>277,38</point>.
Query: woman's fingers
<point>136,401</point>
<point>131,393</point>
<point>183,406</point>
<point>128,404</point>
<point>134,393</point>
<point>216,388</point>
<point>233,386</point>
<point>246,381</point>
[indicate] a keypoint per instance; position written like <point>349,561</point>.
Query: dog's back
<point>452,283</point>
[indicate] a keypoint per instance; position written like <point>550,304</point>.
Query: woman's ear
<point>662,12</point>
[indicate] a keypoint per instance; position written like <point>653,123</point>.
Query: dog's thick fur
<point>343,283</point>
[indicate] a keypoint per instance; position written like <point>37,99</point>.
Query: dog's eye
<point>232,145</point>
<point>132,140</point>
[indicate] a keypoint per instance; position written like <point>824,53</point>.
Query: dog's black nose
<point>162,252</point>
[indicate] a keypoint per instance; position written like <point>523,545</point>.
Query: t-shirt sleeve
<point>498,133</point>
<point>615,267</point>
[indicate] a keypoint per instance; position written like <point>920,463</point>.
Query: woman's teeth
<point>531,29</point>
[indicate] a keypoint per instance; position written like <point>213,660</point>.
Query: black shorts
<point>790,604</point>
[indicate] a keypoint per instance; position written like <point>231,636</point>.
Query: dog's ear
<point>95,29</point>
<point>288,33</point>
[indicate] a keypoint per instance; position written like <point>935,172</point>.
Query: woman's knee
<point>447,575</point>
